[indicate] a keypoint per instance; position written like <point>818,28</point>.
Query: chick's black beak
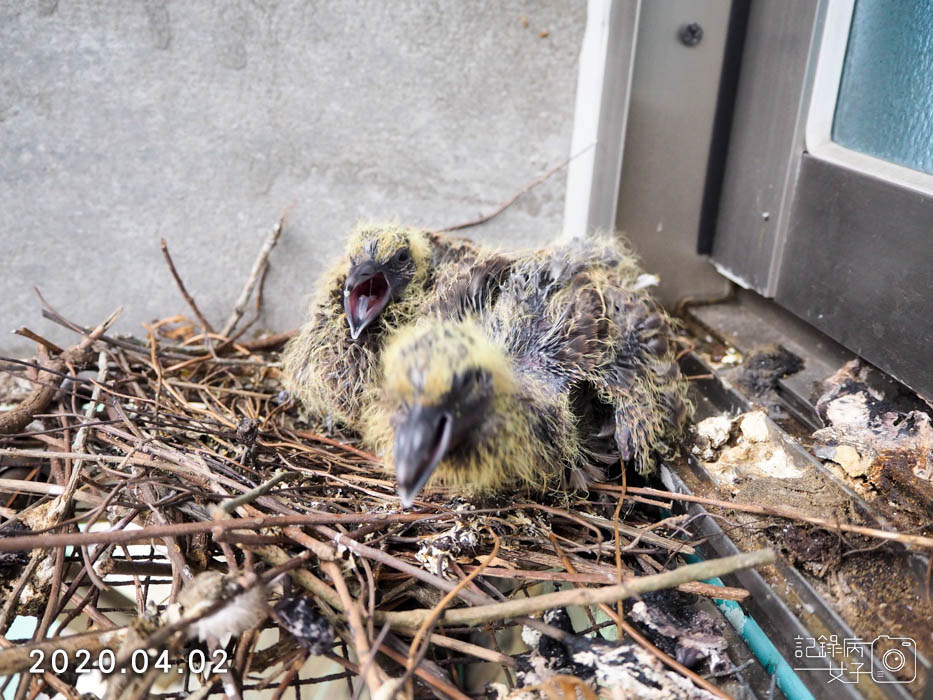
<point>366,292</point>
<point>421,442</point>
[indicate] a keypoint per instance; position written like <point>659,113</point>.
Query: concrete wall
<point>201,122</point>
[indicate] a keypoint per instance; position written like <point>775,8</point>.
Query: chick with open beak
<point>371,285</point>
<point>382,282</point>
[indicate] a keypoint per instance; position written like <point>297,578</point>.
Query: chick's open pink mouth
<point>368,298</point>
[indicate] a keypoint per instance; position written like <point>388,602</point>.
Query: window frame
<point>831,50</point>
<point>836,237</point>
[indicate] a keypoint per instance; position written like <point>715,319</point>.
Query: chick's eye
<point>469,380</point>
<point>403,255</point>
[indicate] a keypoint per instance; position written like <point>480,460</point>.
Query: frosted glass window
<point>885,104</point>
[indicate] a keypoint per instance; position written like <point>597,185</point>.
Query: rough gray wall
<point>201,122</point>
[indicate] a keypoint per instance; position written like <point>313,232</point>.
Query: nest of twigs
<point>132,466</point>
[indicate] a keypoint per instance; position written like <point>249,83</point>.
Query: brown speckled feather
<point>580,360</point>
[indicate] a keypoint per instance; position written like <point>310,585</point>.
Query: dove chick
<point>382,282</point>
<point>453,407</point>
<point>571,368</point>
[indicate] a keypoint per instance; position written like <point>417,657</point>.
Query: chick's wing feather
<point>468,286</point>
<point>642,381</point>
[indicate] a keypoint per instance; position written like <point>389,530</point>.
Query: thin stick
<point>626,628</point>
<point>620,570</point>
<point>640,533</point>
<point>473,650</point>
<point>35,337</point>
<point>432,680</point>
<point>585,596</point>
<point>673,663</point>
<point>413,651</point>
<point>80,440</point>
<point>24,542</point>
<point>258,304</point>
<point>181,287</point>
<point>277,556</point>
<point>397,564</point>
<point>782,512</point>
<point>371,657</point>
<point>483,218</point>
<point>706,590</point>
<point>351,608</point>
<point>269,341</point>
<point>54,681</point>
<point>12,599</point>
<point>334,443</point>
<point>232,504</point>
<point>17,418</point>
<point>17,658</point>
<point>261,261</point>
<point>20,486</point>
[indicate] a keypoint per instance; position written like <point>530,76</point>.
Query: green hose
<point>760,645</point>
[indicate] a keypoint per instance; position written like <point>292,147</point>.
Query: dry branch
<point>262,260</point>
<point>26,542</point>
<point>181,287</point>
<point>16,658</point>
<point>586,596</point>
<point>483,218</point>
<point>788,514</point>
<point>17,418</point>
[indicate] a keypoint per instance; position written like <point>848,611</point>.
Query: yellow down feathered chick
<point>571,367</point>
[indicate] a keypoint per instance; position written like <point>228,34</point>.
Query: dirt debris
<point>746,447</point>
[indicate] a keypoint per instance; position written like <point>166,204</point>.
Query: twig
<point>483,218</point>
<point>231,505</point>
<point>673,663</point>
<point>80,441</point>
<point>706,590</point>
<point>165,633</point>
<point>642,534</point>
<point>35,337</point>
<point>414,653</point>
<point>585,596</point>
<point>24,542</point>
<point>277,556</point>
<point>181,287</point>
<point>328,441</point>
<point>261,261</point>
<point>620,570</point>
<point>17,658</point>
<point>17,418</point>
<point>371,657</point>
<point>625,627</point>
<point>352,609</point>
<point>782,512</point>
<point>54,681</point>
<point>432,680</point>
<point>395,563</point>
<point>473,650</point>
<point>269,341</point>
<point>21,486</point>
<point>13,598</point>
<point>261,285</point>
